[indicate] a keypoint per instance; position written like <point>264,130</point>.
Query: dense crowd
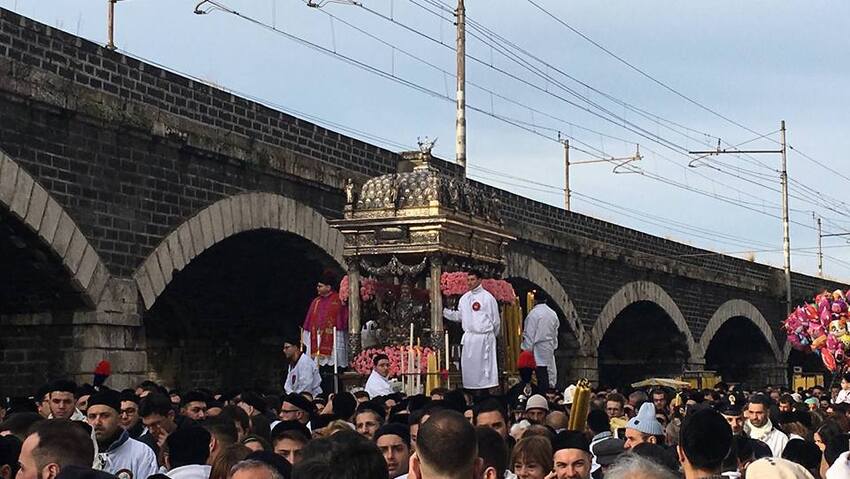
<point>72,432</point>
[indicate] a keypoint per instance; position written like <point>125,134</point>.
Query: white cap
<point>537,402</point>
<point>569,393</point>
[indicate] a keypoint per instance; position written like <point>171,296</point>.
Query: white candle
<point>448,381</point>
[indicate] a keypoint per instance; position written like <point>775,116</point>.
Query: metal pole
<point>567,175</point>
<point>820,251</point>
<point>461,86</point>
<point>110,27</point>
<point>786,236</point>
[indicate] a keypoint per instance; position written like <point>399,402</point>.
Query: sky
<point>668,75</point>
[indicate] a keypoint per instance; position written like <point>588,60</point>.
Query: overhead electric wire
<point>493,36</point>
<point>638,70</point>
<point>413,85</point>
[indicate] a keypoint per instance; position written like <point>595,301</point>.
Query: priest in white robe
<point>378,384</point>
<point>540,336</point>
<point>478,313</point>
<point>302,375</point>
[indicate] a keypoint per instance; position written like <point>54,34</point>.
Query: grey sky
<point>756,62</point>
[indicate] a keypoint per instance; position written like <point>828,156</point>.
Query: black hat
<point>329,278</point>
<point>193,396</point>
<point>130,395</point>
<point>395,429</point>
<point>106,397</point>
<point>255,400</point>
<point>298,401</point>
<point>608,450</point>
<point>84,390</point>
<point>293,338</point>
<point>296,426</point>
<point>570,440</point>
<point>62,385</point>
<point>731,405</point>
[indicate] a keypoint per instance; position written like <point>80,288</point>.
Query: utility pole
<point>820,251</point>
<point>783,177</point>
<point>567,175</point>
<point>110,26</point>
<point>461,86</point>
<point>786,235</point>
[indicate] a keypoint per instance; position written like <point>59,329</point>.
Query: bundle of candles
<point>411,366</point>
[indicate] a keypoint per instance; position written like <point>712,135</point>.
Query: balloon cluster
<point>822,327</point>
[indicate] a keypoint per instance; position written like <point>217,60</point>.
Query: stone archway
<point>739,344</point>
<point>641,333</point>
<point>224,219</point>
<point>53,291</point>
<point>223,290</point>
<point>643,291</point>
<point>740,308</point>
<point>31,204</point>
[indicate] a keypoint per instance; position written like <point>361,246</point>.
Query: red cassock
<point>324,313</point>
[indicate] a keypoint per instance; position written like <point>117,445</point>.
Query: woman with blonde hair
<point>532,458</point>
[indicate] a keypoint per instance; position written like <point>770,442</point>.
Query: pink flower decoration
<point>367,289</point>
<point>397,356</point>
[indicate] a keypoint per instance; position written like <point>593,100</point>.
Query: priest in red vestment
<point>325,312</point>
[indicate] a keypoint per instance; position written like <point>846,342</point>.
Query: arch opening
<point>739,353</point>
<point>37,302</point>
<point>642,341</point>
<point>221,320</point>
<point>34,279</point>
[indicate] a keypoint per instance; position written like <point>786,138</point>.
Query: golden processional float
<point>409,238</point>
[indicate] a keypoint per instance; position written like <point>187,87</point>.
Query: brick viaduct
<point>177,230</point>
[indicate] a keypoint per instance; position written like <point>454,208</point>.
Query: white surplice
<point>478,313</point>
<point>377,385</point>
<point>540,336</point>
<point>304,376</point>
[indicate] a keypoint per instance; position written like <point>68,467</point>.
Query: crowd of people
<point>66,431</point>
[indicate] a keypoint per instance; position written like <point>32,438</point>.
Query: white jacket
<point>129,455</point>
<point>192,471</point>
<point>541,337</point>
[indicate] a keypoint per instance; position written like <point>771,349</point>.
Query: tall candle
<point>336,370</point>
<point>448,381</point>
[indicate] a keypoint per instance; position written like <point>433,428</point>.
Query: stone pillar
<point>437,331</point>
<point>586,366</point>
<point>113,332</point>
<point>354,343</point>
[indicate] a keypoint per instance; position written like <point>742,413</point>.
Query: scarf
<point>759,433</point>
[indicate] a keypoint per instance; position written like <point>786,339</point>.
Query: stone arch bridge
<point>177,230</point>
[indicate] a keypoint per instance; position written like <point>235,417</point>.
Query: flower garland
<point>454,284</point>
<point>397,356</point>
<point>368,286</point>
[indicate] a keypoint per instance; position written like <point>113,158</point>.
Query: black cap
<point>731,405</point>
<point>62,385</point>
<point>292,337</point>
<point>193,396</point>
<point>298,401</point>
<point>106,397</point>
<point>395,429</point>
<point>570,440</point>
<point>130,395</point>
<point>285,426</point>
